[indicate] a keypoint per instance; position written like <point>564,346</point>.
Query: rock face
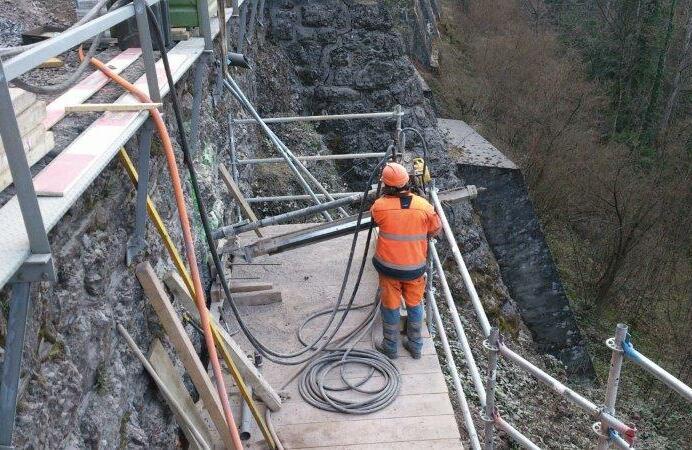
<point>515,236</point>
<point>349,58</point>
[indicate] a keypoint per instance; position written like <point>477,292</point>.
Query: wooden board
<point>55,110</point>
<point>156,293</point>
<point>234,190</point>
<point>101,107</point>
<point>257,298</point>
<point>52,63</point>
<point>437,444</point>
<point>36,146</point>
<point>405,406</point>
<point>218,295</point>
<point>260,387</point>
<point>250,286</point>
<point>21,99</point>
<point>85,154</point>
<point>32,138</point>
<point>382,431</point>
<point>169,375</point>
<point>30,117</point>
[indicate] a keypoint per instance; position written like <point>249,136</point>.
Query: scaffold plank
<point>348,433</point>
<point>85,154</point>
<point>90,85</point>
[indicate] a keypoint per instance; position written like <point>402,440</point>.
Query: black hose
<point>264,350</point>
<point>74,76</point>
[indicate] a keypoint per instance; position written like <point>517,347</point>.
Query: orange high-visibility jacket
<point>402,246</point>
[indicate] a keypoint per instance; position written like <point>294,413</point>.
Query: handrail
<point>34,57</point>
<point>582,402</point>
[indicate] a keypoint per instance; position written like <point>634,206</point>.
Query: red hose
<point>189,243</point>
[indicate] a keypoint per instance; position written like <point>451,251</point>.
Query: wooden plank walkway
<point>420,418</point>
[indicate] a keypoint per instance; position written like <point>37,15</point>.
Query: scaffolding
<point>26,257</point>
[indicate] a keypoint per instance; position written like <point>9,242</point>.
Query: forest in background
<point>593,100</point>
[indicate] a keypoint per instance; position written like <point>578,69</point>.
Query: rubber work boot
<point>414,324</point>
<point>390,332</point>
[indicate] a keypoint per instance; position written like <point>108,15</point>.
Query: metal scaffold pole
<point>377,155</point>
<point>458,327</point>
<point>657,371</point>
<point>325,117</point>
<point>468,282</point>
<point>20,301</point>
<point>234,158</point>
<point>616,359</point>
<point>232,230</point>
<point>489,414</point>
<point>449,356</point>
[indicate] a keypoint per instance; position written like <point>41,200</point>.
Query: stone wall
<point>515,236</point>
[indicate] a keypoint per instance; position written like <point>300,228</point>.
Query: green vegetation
<point>592,99</point>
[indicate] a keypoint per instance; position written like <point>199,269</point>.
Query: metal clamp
<point>596,428</point>
<point>610,343</point>
<point>489,347</point>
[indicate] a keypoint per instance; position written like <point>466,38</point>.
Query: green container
<point>184,13</point>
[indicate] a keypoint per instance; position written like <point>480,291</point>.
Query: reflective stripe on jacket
<point>402,246</point>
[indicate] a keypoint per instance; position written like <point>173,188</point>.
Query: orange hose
<point>189,243</point>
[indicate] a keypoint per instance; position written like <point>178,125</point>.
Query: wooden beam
<point>155,291</point>
<point>218,295</point>
<point>31,116</point>
<point>247,369</point>
<point>165,369</point>
<point>238,196</point>
<point>258,298</point>
<point>52,63</point>
<point>21,99</point>
<point>101,107</point>
<point>162,386</point>
<point>36,145</point>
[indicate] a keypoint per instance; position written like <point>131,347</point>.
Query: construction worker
<point>405,222</point>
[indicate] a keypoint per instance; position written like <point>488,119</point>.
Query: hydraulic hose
<point>66,83</point>
<point>188,240</point>
<point>93,12</point>
<point>281,358</point>
<point>77,74</point>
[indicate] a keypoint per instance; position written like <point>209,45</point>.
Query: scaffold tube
<point>463,404</point>
<point>468,282</point>
<point>461,334</point>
